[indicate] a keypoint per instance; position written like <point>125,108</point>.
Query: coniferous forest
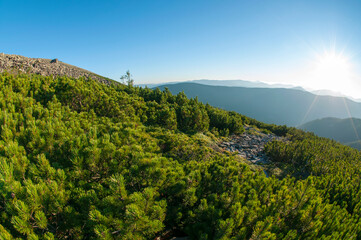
<point>84,160</point>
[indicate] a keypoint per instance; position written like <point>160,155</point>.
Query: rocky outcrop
<point>250,145</point>
<point>46,67</point>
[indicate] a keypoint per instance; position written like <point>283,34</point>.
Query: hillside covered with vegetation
<point>347,131</point>
<point>83,160</point>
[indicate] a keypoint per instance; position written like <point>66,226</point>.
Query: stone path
<point>250,145</point>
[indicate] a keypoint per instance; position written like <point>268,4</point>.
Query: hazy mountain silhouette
<point>346,131</point>
<point>242,83</point>
<point>292,107</point>
<point>227,83</point>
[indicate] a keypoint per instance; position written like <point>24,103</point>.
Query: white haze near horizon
<point>328,71</point>
<point>286,84</point>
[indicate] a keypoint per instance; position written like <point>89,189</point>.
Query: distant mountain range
<point>346,131</point>
<point>253,84</point>
<point>228,83</point>
<point>334,94</point>
<point>288,106</point>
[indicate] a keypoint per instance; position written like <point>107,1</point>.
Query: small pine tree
<point>127,79</point>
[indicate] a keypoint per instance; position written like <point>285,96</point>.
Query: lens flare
<point>332,71</point>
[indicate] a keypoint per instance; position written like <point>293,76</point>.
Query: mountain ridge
<point>254,84</point>
<point>15,63</point>
<point>227,83</point>
<point>292,107</point>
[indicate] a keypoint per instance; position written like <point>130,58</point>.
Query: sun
<point>332,71</point>
<point>331,64</point>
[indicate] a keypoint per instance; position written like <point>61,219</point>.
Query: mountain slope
<point>347,131</point>
<point>84,160</point>
<point>45,67</point>
<point>271,105</point>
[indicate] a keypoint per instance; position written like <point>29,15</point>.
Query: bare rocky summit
<point>46,67</point>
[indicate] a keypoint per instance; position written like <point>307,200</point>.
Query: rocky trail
<point>250,145</point>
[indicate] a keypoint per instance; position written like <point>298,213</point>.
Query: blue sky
<point>158,41</point>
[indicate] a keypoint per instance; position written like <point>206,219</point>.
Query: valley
<point>346,131</point>
<point>291,107</point>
